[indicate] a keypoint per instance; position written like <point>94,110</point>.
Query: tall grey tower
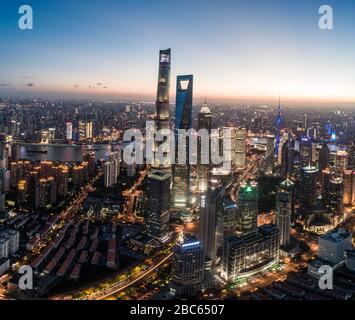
<point>162,115</point>
<point>162,103</point>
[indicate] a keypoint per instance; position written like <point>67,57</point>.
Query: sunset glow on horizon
<point>236,53</point>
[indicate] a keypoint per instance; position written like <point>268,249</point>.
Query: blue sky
<point>236,49</point>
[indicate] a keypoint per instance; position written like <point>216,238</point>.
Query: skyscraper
<point>305,152</point>
<point>112,169</point>
<point>239,147</point>
<point>278,129</point>
<point>348,186</point>
<point>183,121</point>
<point>288,157</point>
<point>187,267</point>
<point>351,163</point>
<point>207,226</point>
<point>226,222</point>
<point>335,196</point>
<point>159,194</point>
<point>88,130</point>
<point>308,187</point>
<point>162,103</point>
<point>324,157</point>
<point>69,132</point>
<point>204,122</point>
<point>284,210</point>
<point>248,207</point>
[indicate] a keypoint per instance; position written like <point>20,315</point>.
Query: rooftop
<point>336,236</point>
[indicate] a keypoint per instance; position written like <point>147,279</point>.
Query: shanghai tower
<point>162,103</point>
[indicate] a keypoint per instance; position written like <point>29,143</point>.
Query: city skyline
<point>236,53</point>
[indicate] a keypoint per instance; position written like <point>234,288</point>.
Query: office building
<point>207,226</point>
<point>333,245</point>
<point>349,187</point>
<point>187,267</point>
<point>88,130</point>
<point>288,157</point>
<point>240,147</point>
<point>324,158</point>
<point>158,208</point>
<point>251,253</point>
<point>341,161</point>
<point>226,220</point>
<point>335,196</point>
<point>248,207</point>
<point>183,121</point>
<point>306,152</point>
<point>308,189</point>
<point>203,169</point>
<point>69,131</point>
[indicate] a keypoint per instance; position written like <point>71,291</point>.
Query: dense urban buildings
<point>237,186</point>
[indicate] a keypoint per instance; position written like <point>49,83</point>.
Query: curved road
<point>121,285</point>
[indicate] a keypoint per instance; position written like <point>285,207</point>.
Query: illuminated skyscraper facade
<point>207,225</point>
<point>239,147</point>
<point>248,207</point>
<point>187,267</point>
<point>162,103</point>
<point>183,121</point>
<point>162,115</point>
<point>349,187</point>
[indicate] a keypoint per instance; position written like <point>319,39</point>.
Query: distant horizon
<point>252,101</point>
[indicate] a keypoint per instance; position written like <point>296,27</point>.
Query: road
<point>133,279</point>
<point>131,195</point>
<point>78,201</point>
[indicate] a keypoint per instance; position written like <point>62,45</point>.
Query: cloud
<point>5,85</point>
<point>99,84</point>
<point>26,77</point>
<point>105,87</point>
<point>30,84</point>
<point>76,86</point>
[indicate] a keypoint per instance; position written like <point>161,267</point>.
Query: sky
<point>238,50</point>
